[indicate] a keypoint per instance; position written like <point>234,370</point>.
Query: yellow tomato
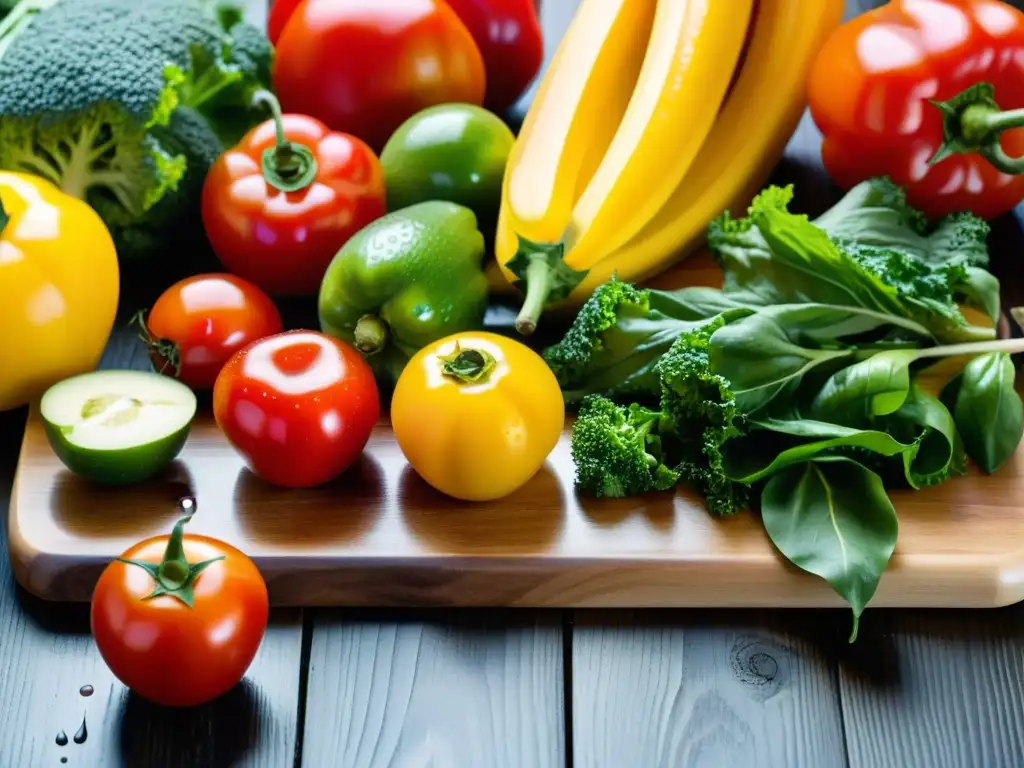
<point>59,287</point>
<point>476,415</point>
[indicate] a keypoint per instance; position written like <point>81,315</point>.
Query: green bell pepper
<point>409,278</point>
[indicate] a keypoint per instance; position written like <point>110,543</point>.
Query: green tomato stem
<point>174,575</point>
<point>288,165</point>
<point>973,123</point>
<point>370,335</point>
<point>468,366</point>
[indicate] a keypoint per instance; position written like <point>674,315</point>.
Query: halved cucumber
<point>117,427</point>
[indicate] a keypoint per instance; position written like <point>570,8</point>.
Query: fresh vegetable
<point>800,377</point>
<point>454,152</point>
<point>200,322</point>
<point>870,250</point>
<point>59,287</point>
<point>179,618</point>
<point>117,427</point>
<point>476,415</point>
<point>507,33</point>
<point>406,280</point>
<point>89,95</point>
<point>589,192</point>
<point>398,58</point>
<point>902,89</point>
<point>280,204</point>
<point>298,406</point>
<point>509,36</point>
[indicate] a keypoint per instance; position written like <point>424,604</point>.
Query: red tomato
<point>366,67</point>
<point>298,406</point>
<point>282,239</point>
<point>200,322</point>
<point>280,12</point>
<point>196,638</point>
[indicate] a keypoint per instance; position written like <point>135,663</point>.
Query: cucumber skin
<point>119,467</point>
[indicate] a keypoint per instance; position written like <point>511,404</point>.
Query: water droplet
<point>187,504</point>
<point>82,733</point>
<point>63,759</point>
<point>86,690</point>
<point>62,739</point>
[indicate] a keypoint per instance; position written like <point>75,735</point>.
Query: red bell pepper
<point>906,90</point>
<point>507,32</point>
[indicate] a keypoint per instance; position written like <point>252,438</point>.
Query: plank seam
<point>300,708</point>
<point>838,688</point>
<point>567,690</point>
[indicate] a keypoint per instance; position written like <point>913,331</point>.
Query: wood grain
<point>936,690</point>
<point>479,690</point>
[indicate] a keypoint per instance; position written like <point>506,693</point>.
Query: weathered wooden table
<point>529,689</point>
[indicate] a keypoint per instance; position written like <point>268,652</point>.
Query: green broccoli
<point>704,415</point>
<point>617,450</point>
<point>88,89</point>
<point>619,334</point>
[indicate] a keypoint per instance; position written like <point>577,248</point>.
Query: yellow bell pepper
<point>59,287</point>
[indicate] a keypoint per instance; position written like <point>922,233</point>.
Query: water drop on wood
<point>82,733</point>
<point>86,690</point>
<point>63,759</point>
<point>62,739</point>
<point>187,505</point>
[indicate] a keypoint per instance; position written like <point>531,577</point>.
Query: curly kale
<point>88,89</point>
<point>618,336</point>
<point>782,257</point>
<point>617,450</point>
<point>704,414</point>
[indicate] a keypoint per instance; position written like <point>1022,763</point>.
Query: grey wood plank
<point>481,690</point>
<point>47,654</point>
<point>706,689</point>
<point>936,689</point>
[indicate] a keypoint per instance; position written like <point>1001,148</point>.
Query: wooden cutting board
<point>380,536</point>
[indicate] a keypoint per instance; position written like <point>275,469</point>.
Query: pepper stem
<point>974,123</point>
<point>288,165</point>
<point>174,575</point>
<point>4,218</point>
<point>370,335</point>
<point>548,279</point>
<point>468,366</point>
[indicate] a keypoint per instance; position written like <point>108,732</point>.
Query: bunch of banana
<point>653,117</point>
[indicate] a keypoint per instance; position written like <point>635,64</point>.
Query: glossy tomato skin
<point>365,67</point>
<point>283,241</point>
<point>298,406</point>
<point>166,651</point>
<point>208,317</point>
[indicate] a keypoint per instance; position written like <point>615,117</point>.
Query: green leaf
<point>988,412</point>
<point>832,518</point>
<point>981,290</point>
<point>876,386</point>
<point>774,444</point>
<point>940,452</point>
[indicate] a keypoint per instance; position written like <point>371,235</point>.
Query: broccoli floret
<point>703,411</point>
<point>86,86</point>
<point>617,450</point>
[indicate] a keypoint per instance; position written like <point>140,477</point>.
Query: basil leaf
<point>833,518</point>
<point>988,412</point>
<point>940,452</point>
<point>776,444</point>
<point>876,386</point>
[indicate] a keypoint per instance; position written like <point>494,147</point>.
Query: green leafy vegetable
<point>988,412</point>
<point>832,517</point>
<point>799,379</point>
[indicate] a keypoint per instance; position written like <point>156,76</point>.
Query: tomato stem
<point>288,165</point>
<point>174,575</point>
<point>166,349</point>
<point>973,124</point>
<point>370,335</point>
<point>468,366</point>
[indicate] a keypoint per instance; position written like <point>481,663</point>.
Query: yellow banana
<point>747,141</point>
<point>690,59</point>
<point>578,105</point>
